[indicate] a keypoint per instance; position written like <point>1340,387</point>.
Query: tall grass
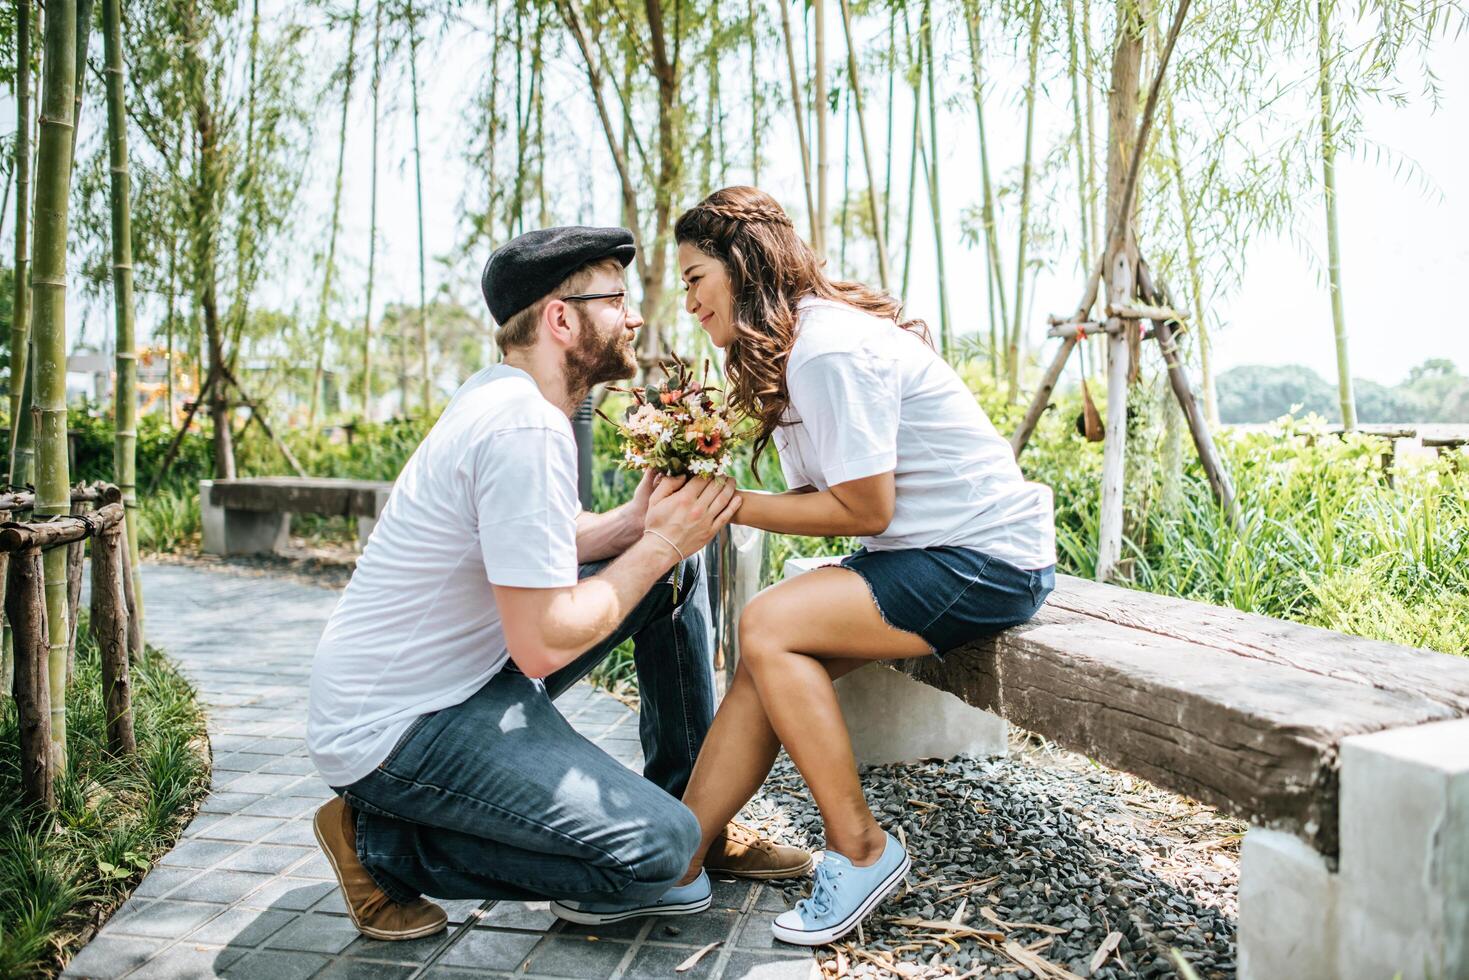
<point>114,817</point>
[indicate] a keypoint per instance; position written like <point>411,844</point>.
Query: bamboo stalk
<point>1042,399</point>
<point>799,112</point>
<point>993,274</point>
<point>1026,172</point>
<point>129,575</point>
<point>1325,58</point>
<point>925,47</point>
<point>319,371</point>
<point>1072,68</point>
<point>110,623</point>
<point>1196,288</point>
<point>20,318</point>
<point>754,33</point>
<point>913,156</point>
<point>821,109</point>
<point>25,607</point>
<point>377,26</point>
<point>125,408</point>
<point>83,40</point>
<point>879,234</point>
<point>48,298</point>
<point>426,394</point>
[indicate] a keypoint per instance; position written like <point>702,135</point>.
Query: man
<point>484,593</point>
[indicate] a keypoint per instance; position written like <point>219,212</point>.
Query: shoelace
<point>822,893</point>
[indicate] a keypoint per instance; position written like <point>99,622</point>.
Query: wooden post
<point>110,622</point>
<point>1042,396</point>
<point>25,604</point>
<point>134,621</point>
<point>1214,469</point>
<point>75,553</point>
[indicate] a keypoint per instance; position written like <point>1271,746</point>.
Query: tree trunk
<point>110,627</point>
<point>1326,58</point>
<point>83,41</point>
<point>879,235</point>
<point>946,332</point>
<point>317,375</point>
<point>246,229</point>
<point>913,153</point>
<point>20,318</point>
<point>754,27</point>
<point>25,607</point>
<point>1119,272</point>
<point>1013,360</point>
<point>48,300</point>
<point>377,30</point>
<point>670,159</point>
<point>800,113</point>
<point>426,389</point>
<point>124,459</point>
<point>76,554</point>
<point>1078,134</point>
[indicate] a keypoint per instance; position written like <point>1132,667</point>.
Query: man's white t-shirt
<point>489,497</point>
<point>866,398</point>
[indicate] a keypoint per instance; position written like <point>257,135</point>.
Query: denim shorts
<point>950,596</point>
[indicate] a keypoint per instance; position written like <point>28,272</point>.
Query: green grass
<point>61,873</point>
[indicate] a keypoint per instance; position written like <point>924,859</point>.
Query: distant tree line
<point>1434,391</point>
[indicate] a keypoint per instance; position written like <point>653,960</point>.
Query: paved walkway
<point>246,893</point>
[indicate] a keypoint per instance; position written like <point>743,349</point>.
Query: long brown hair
<point>770,269</point>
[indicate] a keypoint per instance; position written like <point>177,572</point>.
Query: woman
<point>879,439</point>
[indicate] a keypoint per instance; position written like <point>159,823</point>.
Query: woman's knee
<point>760,628</point>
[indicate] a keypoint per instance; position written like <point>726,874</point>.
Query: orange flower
<point>670,397</point>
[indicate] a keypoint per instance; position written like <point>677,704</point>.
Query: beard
<point>596,359</point>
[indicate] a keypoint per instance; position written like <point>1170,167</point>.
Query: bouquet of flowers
<point>677,428</point>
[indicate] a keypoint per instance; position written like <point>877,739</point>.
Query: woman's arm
<point>856,508</point>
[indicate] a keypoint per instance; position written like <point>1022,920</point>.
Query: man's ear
<point>556,322</point>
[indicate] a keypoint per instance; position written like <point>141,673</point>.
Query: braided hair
<point>770,270</point>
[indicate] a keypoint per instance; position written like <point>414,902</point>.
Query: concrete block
<point>893,718</point>
<point>240,532</point>
<point>1287,910</point>
<point>365,525</point>
<point>1405,852</point>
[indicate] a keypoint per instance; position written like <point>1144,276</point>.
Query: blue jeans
<point>500,798</point>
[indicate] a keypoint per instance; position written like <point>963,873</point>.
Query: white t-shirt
<point>488,497</point>
<point>869,398</point>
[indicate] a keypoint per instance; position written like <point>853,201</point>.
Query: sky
<point>1405,258</point>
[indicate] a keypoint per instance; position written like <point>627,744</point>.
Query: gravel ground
<point>1030,866</point>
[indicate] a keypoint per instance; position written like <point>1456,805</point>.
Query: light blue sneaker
<point>696,896</point>
<point>842,896</point>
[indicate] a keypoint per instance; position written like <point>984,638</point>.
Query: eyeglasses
<point>583,297</point>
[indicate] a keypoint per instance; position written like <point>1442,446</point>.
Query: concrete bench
<point>1349,757</point>
<point>252,515</point>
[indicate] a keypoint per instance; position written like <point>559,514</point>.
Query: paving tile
<point>293,765</point>
<point>288,807</point>
<point>279,746</point>
<point>275,965</point>
<point>241,927</point>
<point>262,782</point>
<point>520,915</point>
<point>457,973</point>
<point>164,919</point>
<point>399,951</point>
<point>243,829</point>
<point>161,881</point>
<point>317,867</point>
<point>310,787</point>
<point>582,959</point>
<point>220,886</point>
<point>289,894</point>
<point>272,858</point>
<point>771,966</point>
<point>315,934</point>
<point>229,802</point>
<point>696,930</point>
<point>293,832</point>
<point>755,933</point>
<point>661,962</point>
<point>771,900</point>
<point>368,970</point>
<point>199,853</point>
<point>730,894</point>
<point>107,956</point>
<point>460,909</point>
<point>203,822</point>
<point>188,962</point>
<point>627,929</point>
<point>489,949</point>
<point>243,761</point>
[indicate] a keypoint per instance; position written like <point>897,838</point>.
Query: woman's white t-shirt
<point>488,498</point>
<point>866,398</point>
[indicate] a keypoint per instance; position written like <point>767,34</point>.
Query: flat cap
<point>528,267</point>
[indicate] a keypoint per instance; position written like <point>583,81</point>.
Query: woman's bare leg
<point>787,633</point>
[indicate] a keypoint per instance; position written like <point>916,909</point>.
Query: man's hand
<point>690,512</point>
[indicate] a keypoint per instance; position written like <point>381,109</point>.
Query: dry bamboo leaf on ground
<point>989,913</point>
<point>1038,965</point>
<point>694,959</point>
<point>947,929</point>
<point>970,884</point>
<point>958,917</point>
<point>1105,950</point>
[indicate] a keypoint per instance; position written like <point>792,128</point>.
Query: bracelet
<point>681,555</point>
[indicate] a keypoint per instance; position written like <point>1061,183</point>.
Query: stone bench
<point>252,515</point>
<point>1349,758</point>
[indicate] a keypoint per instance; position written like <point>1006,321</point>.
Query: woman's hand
<point>688,513</point>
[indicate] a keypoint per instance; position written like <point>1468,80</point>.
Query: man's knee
<point>666,845</point>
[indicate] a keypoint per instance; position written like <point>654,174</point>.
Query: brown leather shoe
<point>741,852</point>
<point>372,911</point>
